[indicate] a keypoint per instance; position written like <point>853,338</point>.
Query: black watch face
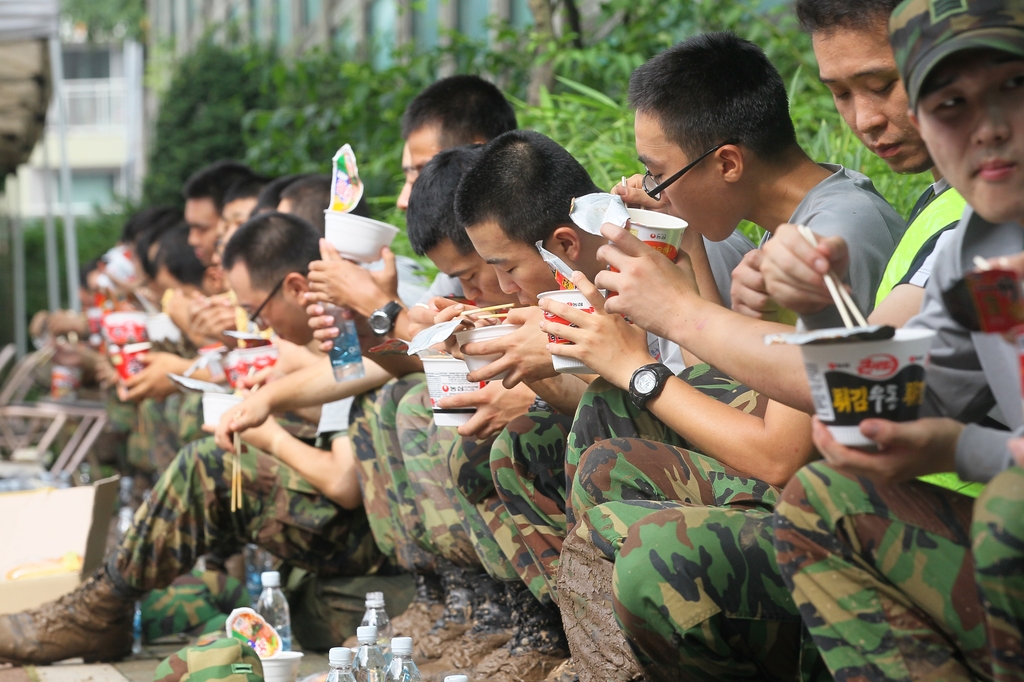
<point>645,382</point>
<point>380,323</point>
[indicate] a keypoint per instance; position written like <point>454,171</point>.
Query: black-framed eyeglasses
<point>273,292</point>
<point>654,190</point>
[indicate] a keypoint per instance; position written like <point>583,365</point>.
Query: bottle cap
<point>270,579</point>
<point>366,634</point>
<point>456,678</point>
<point>375,600</point>
<point>339,655</point>
<point>401,646</point>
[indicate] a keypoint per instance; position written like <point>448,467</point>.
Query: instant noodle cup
<point>237,363</point>
<point>282,667</point>
<point>249,627</point>
<point>576,299</point>
<point>216,404</point>
<point>475,362</point>
<point>160,328</point>
<point>120,329</point>
<point>357,238</point>
<point>128,360</point>
<point>852,380</point>
<point>65,382</point>
<point>446,376</point>
<point>659,231</point>
<point>94,316</point>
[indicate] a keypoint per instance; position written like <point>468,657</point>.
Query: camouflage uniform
<point>164,427</point>
<point>197,602</point>
<point>906,581</point>
<point>188,513</point>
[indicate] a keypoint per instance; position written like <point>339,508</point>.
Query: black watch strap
<point>647,382</point>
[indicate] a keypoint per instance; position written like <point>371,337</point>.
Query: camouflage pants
<point>527,464</point>
<point>163,428</point>
<point>188,513</point>
<point>907,581</point>
<point>196,602</point>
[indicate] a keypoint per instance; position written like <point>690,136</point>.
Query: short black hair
<point>270,195</point>
<point>523,181</point>
<point>431,215</point>
<point>178,257</point>
<point>715,88</point>
<point>158,221</point>
<point>87,269</point>
<point>245,188</point>
<point>272,245</point>
<point>146,218</point>
<point>816,16</point>
<point>466,108</point>
<point>212,181</point>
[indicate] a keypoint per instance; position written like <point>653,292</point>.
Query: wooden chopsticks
<point>474,311</point>
<point>848,310</point>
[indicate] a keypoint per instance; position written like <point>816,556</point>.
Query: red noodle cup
<point>576,299</point>
<point>237,363</point>
<point>856,380</point>
<point>128,360</point>
<point>660,231</point>
<point>120,329</point>
<point>479,334</point>
<point>446,376</point>
<point>94,316</point>
<point>65,382</point>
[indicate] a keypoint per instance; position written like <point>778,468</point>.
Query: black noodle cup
<point>856,380</point>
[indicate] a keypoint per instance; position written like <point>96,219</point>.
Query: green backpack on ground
<point>226,660</point>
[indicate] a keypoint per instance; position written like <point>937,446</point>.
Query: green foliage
<point>210,92</point>
<point>108,18</point>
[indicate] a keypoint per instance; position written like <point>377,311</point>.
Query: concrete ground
<point>135,669</point>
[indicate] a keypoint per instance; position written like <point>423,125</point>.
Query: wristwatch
<point>383,319</point>
<point>647,383</point>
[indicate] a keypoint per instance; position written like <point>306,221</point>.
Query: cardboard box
<point>39,525</point>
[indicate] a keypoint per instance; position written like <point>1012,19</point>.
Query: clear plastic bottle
<point>137,629</point>
<point>456,678</point>
<point>126,514</point>
<point>401,668</point>
<point>378,617</point>
<point>274,608</point>
<point>340,660</point>
<point>257,561</point>
<point>369,665</point>
<point>346,354</point>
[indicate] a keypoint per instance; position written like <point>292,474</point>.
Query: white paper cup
<point>570,297</point>
<point>659,231</point>
<point>159,327</point>
<point>859,380</point>
<point>478,334</point>
<point>216,404</point>
<point>282,667</point>
<point>446,376</point>
<point>357,237</point>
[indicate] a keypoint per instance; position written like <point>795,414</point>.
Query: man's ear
<point>295,285</point>
<point>729,162</point>
<point>568,241</point>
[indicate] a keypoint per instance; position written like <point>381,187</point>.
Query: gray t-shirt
<point>412,282</point>
<point>724,256</point>
<point>846,204</point>
<point>443,285</point>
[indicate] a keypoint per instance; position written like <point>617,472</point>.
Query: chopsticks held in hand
<point>236,463</point>
<point>848,310</point>
<point>474,311</point>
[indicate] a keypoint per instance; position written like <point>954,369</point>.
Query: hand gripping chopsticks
<point>848,310</point>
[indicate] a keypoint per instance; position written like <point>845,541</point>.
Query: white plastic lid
<point>401,646</point>
<point>339,655</point>
<point>270,579</point>
<point>366,634</point>
<point>375,599</point>
<point>456,678</point>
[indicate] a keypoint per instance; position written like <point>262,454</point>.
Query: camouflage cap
<point>924,32</point>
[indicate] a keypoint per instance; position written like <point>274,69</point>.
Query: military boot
<point>456,617</point>
<point>94,622</point>
<point>428,605</point>
<point>537,646</point>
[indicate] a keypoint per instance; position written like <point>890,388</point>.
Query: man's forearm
<point>563,392</point>
<point>315,385</point>
<point>734,344</point>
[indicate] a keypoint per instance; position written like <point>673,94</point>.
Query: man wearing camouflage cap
<point>895,578</point>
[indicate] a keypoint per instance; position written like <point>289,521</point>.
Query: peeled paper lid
<point>189,385</point>
<point>433,335</point>
<point>591,211</point>
<point>821,337</point>
<point>346,187</point>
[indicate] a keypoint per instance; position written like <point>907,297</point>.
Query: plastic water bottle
<point>377,617</point>
<point>340,660</point>
<point>126,514</point>
<point>137,629</point>
<point>346,355</point>
<point>369,666</point>
<point>256,562</point>
<point>274,608</point>
<point>401,668</point>
<point>456,678</point>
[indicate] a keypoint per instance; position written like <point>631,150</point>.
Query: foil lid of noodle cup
<point>821,337</point>
<point>591,211</point>
<point>346,187</point>
<point>434,335</point>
